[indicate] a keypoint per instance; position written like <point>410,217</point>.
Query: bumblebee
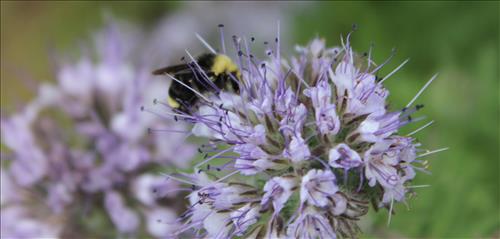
<point>210,73</point>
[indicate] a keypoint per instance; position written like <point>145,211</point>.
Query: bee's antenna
<point>205,43</point>
<point>222,38</point>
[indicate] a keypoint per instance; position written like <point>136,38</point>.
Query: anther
<point>276,39</point>
<point>155,101</point>
<point>252,39</point>
<point>142,108</point>
<point>199,150</point>
<point>265,43</point>
<point>420,106</point>
<point>175,118</point>
<point>221,25</point>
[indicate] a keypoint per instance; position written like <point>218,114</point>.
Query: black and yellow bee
<point>221,71</point>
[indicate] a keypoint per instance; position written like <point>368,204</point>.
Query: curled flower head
<point>301,148</point>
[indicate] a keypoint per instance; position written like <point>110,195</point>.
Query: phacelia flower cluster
<point>301,150</point>
<point>80,152</point>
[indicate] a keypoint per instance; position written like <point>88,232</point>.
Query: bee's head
<point>222,64</point>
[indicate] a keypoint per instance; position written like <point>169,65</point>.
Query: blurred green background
<point>460,40</point>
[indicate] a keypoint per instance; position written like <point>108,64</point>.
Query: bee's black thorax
<point>221,72</point>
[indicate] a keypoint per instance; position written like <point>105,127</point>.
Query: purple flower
<point>245,217</point>
<point>327,120</point>
<point>277,146</point>
<point>278,190</point>
<point>99,147</point>
<point>341,156</point>
<point>161,222</point>
<point>30,164</point>
<point>297,150</point>
<point>253,159</point>
<point>125,219</point>
<point>317,186</point>
<point>311,224</point>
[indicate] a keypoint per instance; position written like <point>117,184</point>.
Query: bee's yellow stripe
<point>223,64</point>
<point>172,103</point>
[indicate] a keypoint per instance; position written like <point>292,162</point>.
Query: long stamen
<point>193,90</point>
<point>226,177</point>
<point>432,152</point>
<point>422,90</point>
<point>202,71</point>
<point>390,212</point>
<point>151,130</point>
<point>212,157</point>
<point>385,62</point>
<point>178,179</point>
<point>419,186</point>
<point>205,43</point>
<point>222,42</point>
<point>394,71</point>
<point>421,128</point>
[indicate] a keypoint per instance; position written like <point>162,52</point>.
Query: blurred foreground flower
<point>302,150</point>
<point>83,146</point>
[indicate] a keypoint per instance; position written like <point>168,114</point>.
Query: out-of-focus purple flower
<point>99,148</point>
<point>161,222</point>
<point>125,219</point>
<point>24,216</point>
<point>301,149</point>
<point>17,222</point>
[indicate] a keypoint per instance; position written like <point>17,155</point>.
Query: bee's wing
<point>172,69</point>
